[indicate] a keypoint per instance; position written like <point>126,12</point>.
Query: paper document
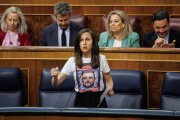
<point>103,95</point>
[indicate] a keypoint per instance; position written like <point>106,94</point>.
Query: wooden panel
<point>2,117</point>
<point>76,118</point>
<point>35,25</point>
<point>92,2</point>
<point>71,118</point>
<point>95,10</point>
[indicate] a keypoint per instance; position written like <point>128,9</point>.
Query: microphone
<point>64,86</point>
<point>71,93</point>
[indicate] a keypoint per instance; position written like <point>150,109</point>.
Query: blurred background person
<point>162,36</point>
<point>119,31</point>
<point>62,32</point>
<point>14,28</point>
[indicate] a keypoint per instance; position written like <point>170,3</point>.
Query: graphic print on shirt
<point>88,79</point>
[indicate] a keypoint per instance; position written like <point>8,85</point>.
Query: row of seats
<point>129,87</point>
<point>135,22</point>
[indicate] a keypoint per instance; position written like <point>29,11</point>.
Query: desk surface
<point>63,53</point>
<point>139,113</point>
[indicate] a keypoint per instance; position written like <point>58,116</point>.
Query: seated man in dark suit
<point>162,36</point>
<point>62,32</point>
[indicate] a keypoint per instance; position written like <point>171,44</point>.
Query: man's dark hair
<point>162,14</point>
<point>62,8</point>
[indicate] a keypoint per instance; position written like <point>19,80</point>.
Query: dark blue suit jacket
<point>149,38</point>
<point>50,34</point>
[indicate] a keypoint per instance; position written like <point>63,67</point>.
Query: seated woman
<point>119,32</point>
<point>13,28</point>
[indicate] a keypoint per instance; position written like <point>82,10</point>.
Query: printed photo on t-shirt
<point>88,79</point>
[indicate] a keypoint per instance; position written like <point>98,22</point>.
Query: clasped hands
<point>161,42</point>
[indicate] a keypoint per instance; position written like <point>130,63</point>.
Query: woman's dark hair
<point>95,49</point>
<point>162,14</point>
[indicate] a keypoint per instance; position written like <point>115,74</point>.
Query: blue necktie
<point>63,37</point>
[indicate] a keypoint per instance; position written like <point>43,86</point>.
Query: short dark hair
<point>62,8</point>
<point>160,15</point>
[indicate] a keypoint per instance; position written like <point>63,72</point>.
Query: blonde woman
<point>13,28</point>
<point>119,31</point>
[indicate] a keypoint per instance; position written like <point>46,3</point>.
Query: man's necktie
<point>63,37</point>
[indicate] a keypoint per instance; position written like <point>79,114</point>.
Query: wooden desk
<point>152,61</point>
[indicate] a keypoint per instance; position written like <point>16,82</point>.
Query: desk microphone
<point>65,106</point>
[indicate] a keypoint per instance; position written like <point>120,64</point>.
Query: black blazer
<point>149,38</point>
<point>49,35</point>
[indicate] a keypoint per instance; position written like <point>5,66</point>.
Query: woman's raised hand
<point>55,72</point>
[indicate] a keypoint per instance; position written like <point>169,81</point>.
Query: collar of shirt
<point>67,32</point>
<point>167,37</point>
